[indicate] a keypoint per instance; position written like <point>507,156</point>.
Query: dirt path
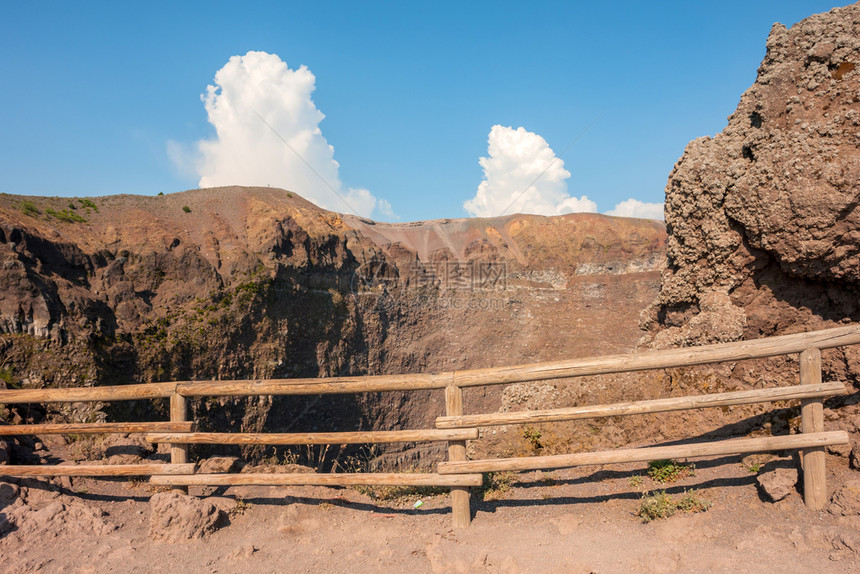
<point>581,520</point>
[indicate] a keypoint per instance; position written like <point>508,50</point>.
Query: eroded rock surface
<point>763,218</point>
<point>176,517</point>
<point>778,483</point>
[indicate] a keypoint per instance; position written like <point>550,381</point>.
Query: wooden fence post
<point>179,413</point>
<point>460,507</point>
<point>812,420</point>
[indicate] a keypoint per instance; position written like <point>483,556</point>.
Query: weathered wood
<point>643,407</point>
<point>179,413</point>
<point>812,421</point>
<point>740,350</point>
<point>94,428</point>
<point>717,448</point>
<point>358,437</point>
<point>460,505</point>
<point>687,356</point>
<point>312,479</point>
<point>86,394</point>
<point>331,385</point>
<point>96,470</point>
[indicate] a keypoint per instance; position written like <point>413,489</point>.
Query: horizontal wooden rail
<point>333,385</point>
<point>359,437</point>
<point>688,356</point>
<point>312,479</point>
<point>95,428</point>
<point>740,350</point>
<point>643,407</point>
<point>87,394</point>
<point>716,448</point>
<point>96,469</point>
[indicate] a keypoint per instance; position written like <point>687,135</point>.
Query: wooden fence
<point>456,427</point>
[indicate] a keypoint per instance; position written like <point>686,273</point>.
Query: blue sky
<point>93,92</point>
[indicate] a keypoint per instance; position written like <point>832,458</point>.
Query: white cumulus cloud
<point>523,175</point>
<point>635,208</point>
<point>291,152</point>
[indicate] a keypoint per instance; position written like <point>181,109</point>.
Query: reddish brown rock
<point>176,517</point>
<point>778,483</point>
<point>846,500</point>
<point>765,214</point>
<point>219,464</point>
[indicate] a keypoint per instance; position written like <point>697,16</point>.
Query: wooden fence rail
<point>456,427</point>
<point>649,360</point>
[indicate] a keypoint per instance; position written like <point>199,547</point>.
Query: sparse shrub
<point>754,468</point>
<point>533,435</point>
<point>549,479</point>
<point>635,481</point>
<point>86,446</point>
<point>7,375</point>
<point>29,208</point>
<point>160,193</point>
<point>691,502</point>
<point>65,215</point>
<point>654,506</point>
<point>497,485</point>
<point>664,471</point>
<point>186,209</point>
<point>661,505</point>
<point>240,507</point>
<point>89,204</point>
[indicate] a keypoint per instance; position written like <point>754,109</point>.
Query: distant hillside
<point>257,282</point>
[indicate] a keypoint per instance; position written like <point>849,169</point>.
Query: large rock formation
<point>763,218</point>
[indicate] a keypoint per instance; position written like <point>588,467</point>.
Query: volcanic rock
<point>778,483</point>
<point>846,500</point>
<point>176,517</point>
<point>219,464</point>
<point>763,218</point>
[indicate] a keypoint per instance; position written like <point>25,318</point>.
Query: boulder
<point>176,517</point>
<point>778,483</point>
<point>846,500</point>
<point>219,465</point>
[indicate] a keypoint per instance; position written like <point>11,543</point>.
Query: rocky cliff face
<point>764,226</point>
<point>763,218</point>
<point>238,283</point>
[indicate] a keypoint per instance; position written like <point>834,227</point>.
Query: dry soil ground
<point>571,521</point>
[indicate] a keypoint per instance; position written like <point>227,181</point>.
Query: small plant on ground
<point>664,471</point>
<point>691,502</point>
<point>86,446</point>
<point>635,481</point>
<point>661,505</point>
<point>497,485</point>
<point>754,468</point>
<point>533,435</point>
<point>240,507</point>
<point>186,209</point>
